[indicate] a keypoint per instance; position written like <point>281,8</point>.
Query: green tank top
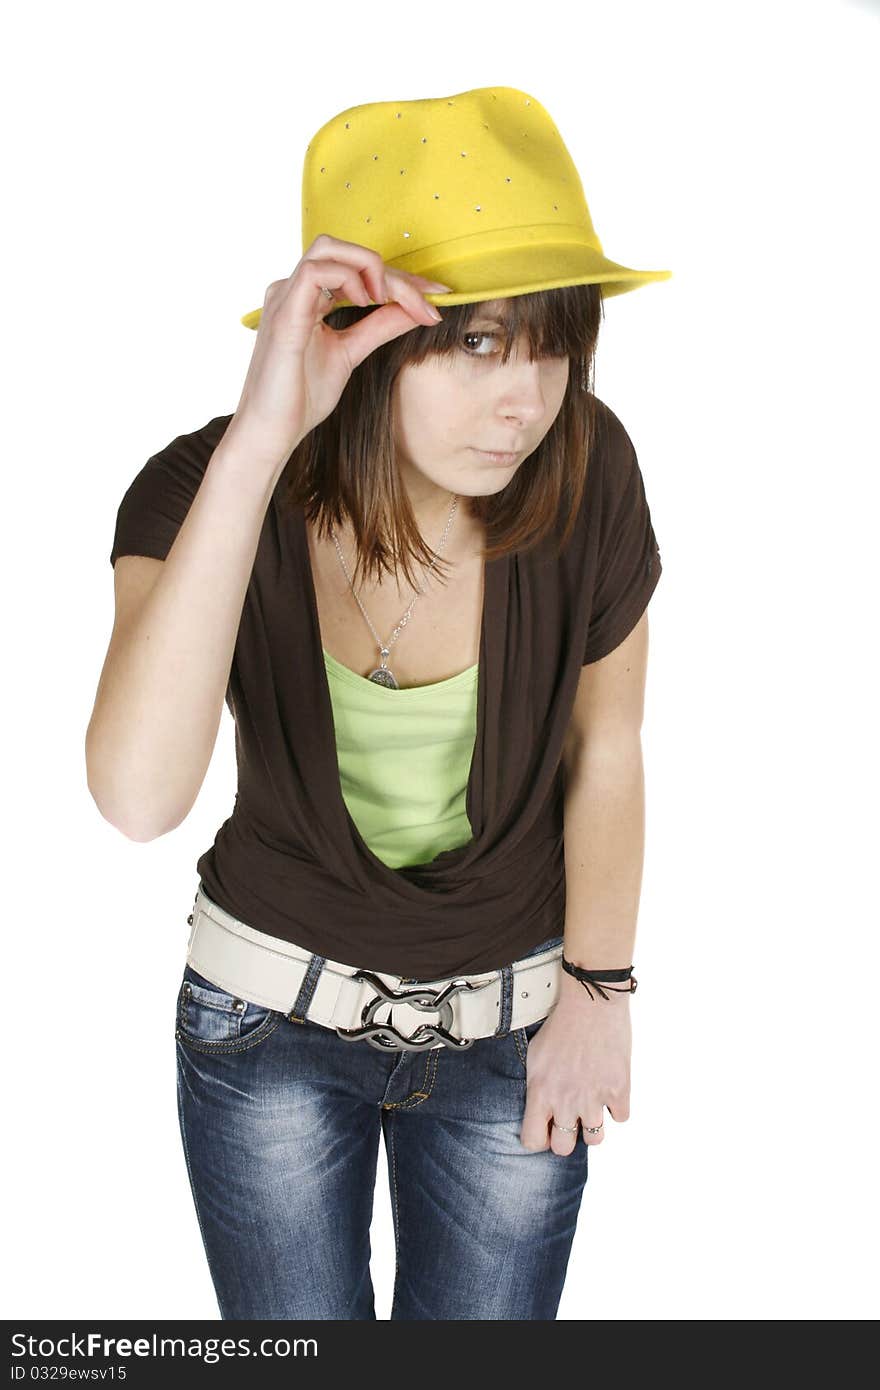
<point>404,761</point>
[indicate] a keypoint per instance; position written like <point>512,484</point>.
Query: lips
<point>499,455</point>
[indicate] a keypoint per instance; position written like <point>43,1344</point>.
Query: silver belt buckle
<point>388,1038</point>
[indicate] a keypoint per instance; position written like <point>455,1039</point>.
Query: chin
<point>483,486</point>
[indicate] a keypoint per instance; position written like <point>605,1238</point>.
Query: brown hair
<point>346,467</point>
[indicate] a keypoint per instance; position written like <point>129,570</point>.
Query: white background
<point>153,158</point>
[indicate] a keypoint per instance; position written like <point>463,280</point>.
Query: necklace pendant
<point>382,676</point>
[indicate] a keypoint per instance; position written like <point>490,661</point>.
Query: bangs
<point>552,323</point>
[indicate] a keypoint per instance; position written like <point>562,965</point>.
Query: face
<point>449,412</point>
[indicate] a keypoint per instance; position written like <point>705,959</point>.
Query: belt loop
<point>505,1007</point>
<point>307,989</point>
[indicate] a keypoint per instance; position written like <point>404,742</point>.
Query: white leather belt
<point>383,1009</point>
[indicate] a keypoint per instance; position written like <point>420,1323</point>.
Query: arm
<point>605,810</point>
<point>578,1063</point>
<point>160,695</point>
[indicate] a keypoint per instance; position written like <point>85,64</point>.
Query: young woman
<point>415,563</point>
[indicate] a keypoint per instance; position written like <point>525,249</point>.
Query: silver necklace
<point>383,675</point>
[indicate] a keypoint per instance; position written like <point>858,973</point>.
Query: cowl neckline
<point>448,872</point>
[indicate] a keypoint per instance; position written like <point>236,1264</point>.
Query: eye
<point>472,351</point>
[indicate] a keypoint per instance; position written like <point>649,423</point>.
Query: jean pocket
<point>211,1019</point>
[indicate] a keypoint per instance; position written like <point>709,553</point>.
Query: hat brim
<point>513,272</point>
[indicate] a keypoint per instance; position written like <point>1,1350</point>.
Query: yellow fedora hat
<point>475,190</point>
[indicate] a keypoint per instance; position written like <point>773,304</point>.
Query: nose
<point>522,398</point>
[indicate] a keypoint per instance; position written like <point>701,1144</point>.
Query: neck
<point>431,507</point>
<point>430,504</point>
<point>431,519</point>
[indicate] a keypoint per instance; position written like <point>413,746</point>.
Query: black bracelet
<point>594,976</point>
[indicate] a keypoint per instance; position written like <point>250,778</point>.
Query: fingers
<point>297,352</point>
<point>295,305</point>
<point>399,288</point>
<point>618,1109</point>
<point>366,263</point>
<point>301,299</point>
<point>406,308</point>
<point>370,332</point>
<point>346,282</point>
<point>592,1127</point>
<point>543,1128</point>
<point>563,1141</point>
<point>383,284</point>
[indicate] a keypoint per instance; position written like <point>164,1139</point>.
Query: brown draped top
<point>289,860</point>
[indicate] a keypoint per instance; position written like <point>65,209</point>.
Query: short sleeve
<point>157,501</point>
<point>629,558</point>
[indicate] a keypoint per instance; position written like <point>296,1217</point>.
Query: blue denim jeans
<point>281,1137</point>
